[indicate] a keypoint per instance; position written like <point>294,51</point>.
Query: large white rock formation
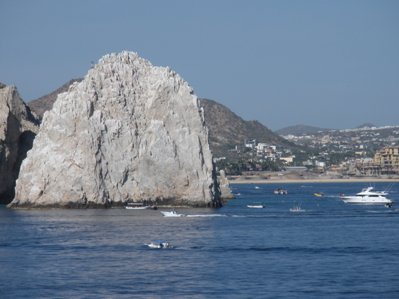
<point>128,132</point>
<point>18,126</point>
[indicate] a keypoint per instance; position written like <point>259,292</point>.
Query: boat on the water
<point>255,206</point>
<point>171,214</point>
<point>369,197</point>
<point>318,194</point>
<point>158,244</point>
<point>138,206</point>
<point>297,209</point>
<point>280,191</point>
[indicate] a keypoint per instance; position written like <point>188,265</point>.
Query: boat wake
<point>207,215</point>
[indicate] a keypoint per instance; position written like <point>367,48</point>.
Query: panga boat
<point>297,209</point>
<point>368,197</point>
<point>159,244</point>
<point>138,206</point>
<point>171,214</point>
<point>255,206</point>
<point>280,191</point>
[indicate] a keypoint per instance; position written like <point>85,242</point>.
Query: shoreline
<point>257,180</point>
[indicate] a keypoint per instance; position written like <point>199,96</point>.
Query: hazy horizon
<point>327,64</point>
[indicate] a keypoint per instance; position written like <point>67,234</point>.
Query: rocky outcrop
<point>128,132</point>
<point>224,186</point>
<point>18,127</point>
<point>46,102</point>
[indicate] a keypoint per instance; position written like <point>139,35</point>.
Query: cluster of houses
<point>385,160</point>
<point>270,152</point>
<point>362,151</point>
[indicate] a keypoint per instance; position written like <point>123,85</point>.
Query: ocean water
<point>331,250</point>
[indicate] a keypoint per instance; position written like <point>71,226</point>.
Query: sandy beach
<point>321,179</point>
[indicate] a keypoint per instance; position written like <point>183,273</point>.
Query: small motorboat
<point>136,208</point>
<point>318,194</point>
<point>158,244</point>
<point>255,206</point>
<point>297,209</point>
<point>280,191</point>
<point>139,206</point>
<point>171,214</point>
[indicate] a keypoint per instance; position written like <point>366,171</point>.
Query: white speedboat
<point>368,197</point>
<point>255,206</point>
<point>158,244</point>
<point>171,214</point>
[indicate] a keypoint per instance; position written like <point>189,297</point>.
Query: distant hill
<point>227,129</point>
<point>44,103</point>
<point>299,130</point>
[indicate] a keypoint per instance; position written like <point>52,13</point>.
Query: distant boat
<point>369,197</point>
<point>138,206</point>
<point>297,209</point>
<point>255,206</point>
<point>280,191</point>
<point>171,214</point>
<point>257,187</point>
<point>159,244</point>
<point>318,194</point>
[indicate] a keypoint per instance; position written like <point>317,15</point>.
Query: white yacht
<point>369,197</point>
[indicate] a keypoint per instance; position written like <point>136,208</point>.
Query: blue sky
<point>332,64</point>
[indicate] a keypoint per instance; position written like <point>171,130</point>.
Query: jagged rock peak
<point>129,131</point>
<point>18,126</point>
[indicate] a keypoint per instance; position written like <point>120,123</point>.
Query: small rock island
<point>129,132</point>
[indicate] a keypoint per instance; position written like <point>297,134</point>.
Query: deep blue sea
<point>331,250</point>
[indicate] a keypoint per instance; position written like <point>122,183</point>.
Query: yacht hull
<point>367,201</point>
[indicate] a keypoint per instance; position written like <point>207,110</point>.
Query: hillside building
<point>388,159</point>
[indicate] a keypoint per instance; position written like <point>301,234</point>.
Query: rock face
<point>128,132</point>
<point>224,186</point>
<point>18,127</point>
<point>45,103</point>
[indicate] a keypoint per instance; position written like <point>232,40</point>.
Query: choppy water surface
<point>331,250</point>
